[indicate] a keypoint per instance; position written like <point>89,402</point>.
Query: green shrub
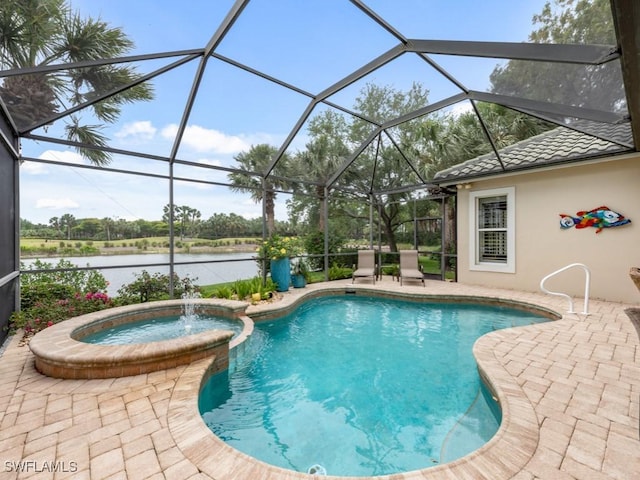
<point>267,289</point>
<point>314,245</point>
<point>243,288</point>
<point>89,250</point>
<point>338,272</point>
<point>83,281</point>
<point>43,291</point>
<point>391,270</point>
<point>223,292</point>
<point>147,288</point>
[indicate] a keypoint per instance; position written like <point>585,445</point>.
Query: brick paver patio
<point>570,392</point>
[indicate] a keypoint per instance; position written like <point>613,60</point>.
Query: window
<point>492,242</point>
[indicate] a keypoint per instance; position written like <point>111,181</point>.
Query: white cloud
<point>33,168</point>
<point>142,130</point>
<point>56,203</point>
<point>203,139</point>
<point>205,174</point>
<point>206,161</point>
<point>66,156</point>
<point>194,185</point>
<point>461,108</point>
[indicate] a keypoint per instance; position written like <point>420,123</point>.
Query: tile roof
<point>559,145</point>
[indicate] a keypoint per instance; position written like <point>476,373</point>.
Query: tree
<point>383,168</point>
<point>46,32</point>
<point>592,86</point>
<point>67,221</point>
<point>88,227</point>
<point>107,227</point>
<point>221,225</point>
<point>54,222</point>
<point>377,169</point>
<point>256,161</point>
<point>188,219</point>
<point>323,155</point>
<point>452,139</point>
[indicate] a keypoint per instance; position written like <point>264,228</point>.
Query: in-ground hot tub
<point>60,352</point>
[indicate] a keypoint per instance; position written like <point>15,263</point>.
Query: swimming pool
<point>61,352</point>
<point>360,386</point>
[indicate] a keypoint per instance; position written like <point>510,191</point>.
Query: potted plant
<point>299,273</point>
<point>278,250</point>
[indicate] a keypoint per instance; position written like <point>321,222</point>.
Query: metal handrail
<point>7,278</point>
<point>587,283</point>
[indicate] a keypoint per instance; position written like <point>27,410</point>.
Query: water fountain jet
<point>189,299</point>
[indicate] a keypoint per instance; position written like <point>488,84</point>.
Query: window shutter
<point>492,229</point>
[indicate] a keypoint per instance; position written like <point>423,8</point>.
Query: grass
<point>130,242</point>
<point>48,247</point>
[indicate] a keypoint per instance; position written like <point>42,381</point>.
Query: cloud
<point>200,173</point>
<point>207,161</point>
<point>56,203</point>
<point>142,130</point>
<point>66,156</point>
<point>33,168</point>
<point>202,139</point>
<point>461,108</point>
<point>194,185</point>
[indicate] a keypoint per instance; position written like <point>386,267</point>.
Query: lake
<point>231,266</point>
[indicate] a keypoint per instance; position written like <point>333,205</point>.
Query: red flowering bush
<point>47,298</point>
<point>49,311</point>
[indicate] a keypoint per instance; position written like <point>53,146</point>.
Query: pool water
<point>359,386</point>
<point>161,328</point>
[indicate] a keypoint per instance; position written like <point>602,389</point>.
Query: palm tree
<point>107,227</point>
<point>37,33</point>
<point>68,221</point>
<point>257,160</point>
<point>188,218</point>
<point>324,154</point>
<point>54,222</point>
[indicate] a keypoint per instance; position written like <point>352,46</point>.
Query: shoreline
<point>123,251</point>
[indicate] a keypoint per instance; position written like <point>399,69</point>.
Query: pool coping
<point>518,433</point>
<point>580,373</point>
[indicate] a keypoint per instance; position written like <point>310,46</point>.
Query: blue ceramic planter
<point>298,281</point>
<point>281,273</point>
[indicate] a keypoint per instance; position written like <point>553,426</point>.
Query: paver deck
<point>571,389</point>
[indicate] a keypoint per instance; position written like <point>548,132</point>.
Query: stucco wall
<point>543,247</point>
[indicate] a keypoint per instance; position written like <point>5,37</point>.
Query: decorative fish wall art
<point>601,217</point>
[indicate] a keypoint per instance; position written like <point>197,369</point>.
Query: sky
<point>310,44</point>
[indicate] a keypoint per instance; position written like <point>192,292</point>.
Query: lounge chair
<point>409,266</point>
<point>366,265</point>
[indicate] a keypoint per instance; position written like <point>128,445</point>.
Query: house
<point>509,206</point>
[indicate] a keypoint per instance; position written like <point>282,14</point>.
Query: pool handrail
<point>587,284</point>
